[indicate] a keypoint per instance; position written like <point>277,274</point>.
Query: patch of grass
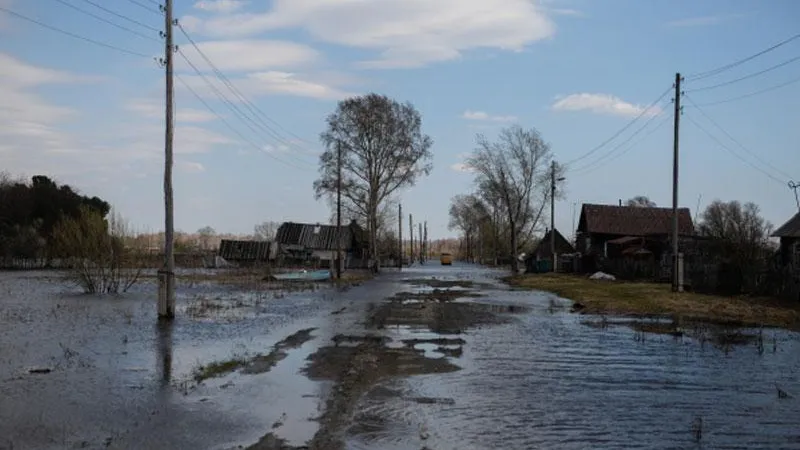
<point>651,299</point>
<point>218,369</point>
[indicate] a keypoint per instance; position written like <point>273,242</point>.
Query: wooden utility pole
<point>166,289</point>
<point>411,239</point>
<point>421,243</point>
<point>400,236</point>
<point>338,212</point>
<point>677,284</point>
<point>553,214</point>
<point>425,241</point>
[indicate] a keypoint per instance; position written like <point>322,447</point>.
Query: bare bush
<point>96,251</point>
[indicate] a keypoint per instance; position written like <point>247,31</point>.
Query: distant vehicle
<point>446,259</point>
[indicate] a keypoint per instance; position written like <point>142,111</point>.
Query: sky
<point>578,71</point>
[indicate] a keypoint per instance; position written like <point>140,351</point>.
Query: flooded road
<point>433,357</point>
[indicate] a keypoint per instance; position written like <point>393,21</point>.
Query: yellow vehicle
<point>446,259</point>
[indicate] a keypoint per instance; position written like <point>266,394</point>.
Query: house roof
<point>632,220</point>
<point>790,228</point>
<point>244,250</point>
<point>316,236</point>
<point>563,246</point>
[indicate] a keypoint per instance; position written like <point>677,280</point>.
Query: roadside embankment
<point>652,299</point>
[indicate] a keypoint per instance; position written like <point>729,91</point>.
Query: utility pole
<point>794,186</point>
<point>338,212</point>
<point>411,239</point>
<point>677,278</point>
<point>400,236</point>
<point>166,279</point>
<point>553,214</point>
<point>421,243</point>
<point>425,241</point>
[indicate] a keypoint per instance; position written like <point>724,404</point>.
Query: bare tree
<point>266,231</point>
<point>515,172</point>
<point>206,234</point>
<point>641,201</point>
<point>382,150</point>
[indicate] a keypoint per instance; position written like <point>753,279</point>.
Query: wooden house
<point>638,236</point>
<point>318,241</point>
<point>789,235</point>
<point>543,251</point>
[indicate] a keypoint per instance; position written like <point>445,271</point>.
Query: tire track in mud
<point>357,363</point>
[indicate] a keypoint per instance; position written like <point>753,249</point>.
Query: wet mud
<point>359,363</point>
<point>260,363</point>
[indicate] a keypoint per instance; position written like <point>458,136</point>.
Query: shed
<point>321,240</point>
<point>245,251</point>
<point>789,234</point>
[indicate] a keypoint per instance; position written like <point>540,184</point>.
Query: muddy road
<point>433,357</point>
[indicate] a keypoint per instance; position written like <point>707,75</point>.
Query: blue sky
<point>577,70</point>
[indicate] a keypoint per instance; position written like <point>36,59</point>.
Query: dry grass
<point>650,299</point>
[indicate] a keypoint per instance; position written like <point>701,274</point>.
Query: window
<point>316,229</point>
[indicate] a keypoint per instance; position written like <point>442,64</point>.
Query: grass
<point>651,299</point>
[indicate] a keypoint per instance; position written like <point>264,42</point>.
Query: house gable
<point>632,221</point>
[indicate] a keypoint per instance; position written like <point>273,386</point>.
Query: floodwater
<point>539,378</point>
<point>114,379</point>
<point>547,380</point>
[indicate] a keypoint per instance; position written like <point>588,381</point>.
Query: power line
<point>103,19</point>
<point>714,138</point>
<point>73,35</point>
<point>751,94</point>
<point>736,141</point>
<point>122,16</point>
<point>224,98</point>
<point>143,6</point>
<point>622,130</point>
<point>254,109</point>
<point>588,169</point>
<point>769,69</point>
<point>709,73</point>
<point>227,124</point>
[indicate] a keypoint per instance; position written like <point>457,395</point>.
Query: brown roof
<point>632,220</point>
<point>790,228</point>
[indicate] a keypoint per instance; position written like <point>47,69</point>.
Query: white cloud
<point>703,21</point>
<point>247,55</point>
<point>482,116</point>
<point>190,167</point>
<point>565,12</point>
<point>406,33</point>
<point>601,104</point>
<point>154,110</point>
<point>462,167</point>
<point>267,83</point>
<point>220,6</point>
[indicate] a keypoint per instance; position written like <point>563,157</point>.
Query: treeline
<point>31,211</point>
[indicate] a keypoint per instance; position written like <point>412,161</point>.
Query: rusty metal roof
<point>632,220</point>
<point>790,228</point>
<point>315,236</point>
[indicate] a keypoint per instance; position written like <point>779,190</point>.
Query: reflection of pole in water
<point>164,363</point>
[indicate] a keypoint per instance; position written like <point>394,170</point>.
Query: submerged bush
<point>95,251</point>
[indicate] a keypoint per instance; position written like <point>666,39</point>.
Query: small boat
<point>303,275</point>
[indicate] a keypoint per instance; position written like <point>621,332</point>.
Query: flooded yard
<point>433,357</point>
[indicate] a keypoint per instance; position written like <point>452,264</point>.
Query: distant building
<point>544,253</point>
<point>789,234</point>
<point>318,241</point>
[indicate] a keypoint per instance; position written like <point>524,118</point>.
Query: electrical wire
<point>734,140</point>
<point>143,6</point>
<point>254,109</point>
<point>725,147</point>
<point>622,130</point>
<point>103,19</point>
<point>769,69</point>
<point>122,16</point>
<point>73,35</point>
<point>588,169</point>
<point>710,73</point>
<point>227,124</point>
<point>751,94</point>
<point>226,100</point>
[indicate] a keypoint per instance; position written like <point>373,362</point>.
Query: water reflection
<point>164,329</point>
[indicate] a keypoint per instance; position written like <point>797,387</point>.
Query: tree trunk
<point>514,243</point>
